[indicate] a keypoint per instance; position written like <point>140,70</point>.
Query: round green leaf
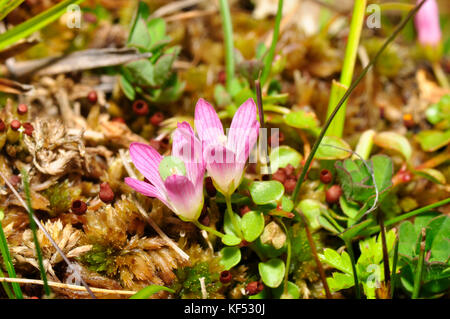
<point>252,225</point>
<point>171,165</point>
<point>394,141</point>
<point>231,240</point>
<point>293,291</point>
<point>231,256</point>
<point>282,156</point>
<point>311,209</point>
<point>272,272</point>
<point>287,204</point>
<point>336,151</point>
<point>266,192</point>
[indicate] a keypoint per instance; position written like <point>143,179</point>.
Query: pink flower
<point>225,157</point>
<point>427,23</point>
<point>182,188</point>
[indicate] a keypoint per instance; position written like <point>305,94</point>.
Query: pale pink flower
<point>225,157</point>
<point>427,23</point>
<point>183,194</point>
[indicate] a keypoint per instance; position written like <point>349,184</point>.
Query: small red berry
<point>244,210</point>
<point>225,276</point>
<point>406,176</point>
<point>28,128</point>
<point>157,118</point>
<point>92,97</point>
<point>325,176</point>
<point>333,194</point>
<point>210,189</point>
<point>289,170</point>
<point>254,287</point>
<point>22,109</point>
<point>2,126</point>
<point>140,107</point>
<point>106,194</point>
<point>15,180</point>
<point>15,125</point>
<point>289,185</point>
<point>279,175</point>
<point>79,207</point>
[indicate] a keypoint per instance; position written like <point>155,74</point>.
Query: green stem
<point>376,229</point>
<point>228,37</point>
<point>7,260</point>
<point>6,287</point>
<point>269,58</point>
<point>208,229</point>
<point>348,244</point>
<point>351,51</point>
<point>33,227</point>
<point>232,216</point>
<point>346,95</point>
<point>387,273</point>
<point>394,268</point>
<point>288,254</point>
<point>419,269</point>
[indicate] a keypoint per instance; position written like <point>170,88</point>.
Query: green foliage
<point>327,152</point>
<point>436,270</point>
<point>188,283</point>
<point>439,112</point>
<point>395,142</point>
<point>6,6</point>
<point>60,197</point>
<point>146,292</point>
<point>272,272</point>
<point>34,24</point>
<point>369,265</point>
<point>230,257</point>
<point>282,156</point>
<point>266,192</point>
<point>252,224</point>
<point>153,77</point>
<point>432,140</point>
<point>303,120</point>
<point>100,259</point>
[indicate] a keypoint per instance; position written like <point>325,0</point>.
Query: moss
<point>60,197</point>
<point>188,282</point>
<point>100,259</point>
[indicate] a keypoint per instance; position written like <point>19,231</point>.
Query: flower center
<point>171,165</point>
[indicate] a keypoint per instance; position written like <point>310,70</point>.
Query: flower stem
<point>268,60</point>
<point>387,273</point>
<point>359,9</point>
<point>7,260</point>
<point>208,229</point>
<point>232,216</point>
<point>347,94</point>
<point>228,36</point>
<point>419,269</point>
<point>348,244</point>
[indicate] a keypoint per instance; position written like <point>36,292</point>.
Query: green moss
<point>60,197</point>
<point>188,283</point>
<point>100,259</point>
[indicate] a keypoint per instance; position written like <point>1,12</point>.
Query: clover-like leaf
<point>266,192</point>
<point>281,156</point>
<point>231,240</point>
<point>272,272</point>
<point>230,257</point>
<point>252,224</point>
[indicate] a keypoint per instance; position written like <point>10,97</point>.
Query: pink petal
<point>243,131</point>
<point>147,159</point>
<point>207,123</point>
<point>146,189</point>
<point>187,147</point>
<point>222,167</point>
<point>427,23</point>
<point>185,198</point>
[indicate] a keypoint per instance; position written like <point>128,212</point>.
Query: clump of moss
<point>100,259</point>
<point>60,197</point>
<point>189,281</point>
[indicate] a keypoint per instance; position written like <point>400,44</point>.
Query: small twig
<point>190,15</point>
<point>141,209</point>
<point>66,286</point>
<point>323,277</point>
<point>174,6</point>
<point>203,287</point>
